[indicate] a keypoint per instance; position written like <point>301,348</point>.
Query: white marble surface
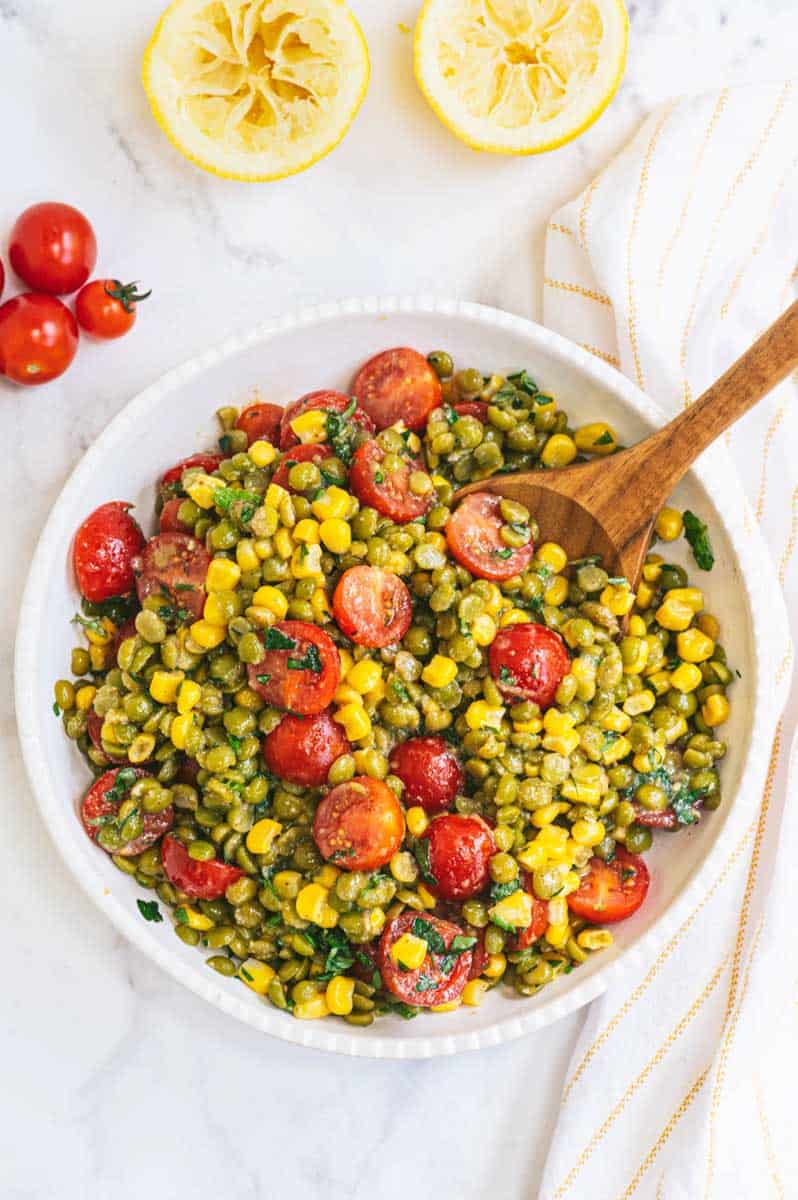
<point>116,1082</point>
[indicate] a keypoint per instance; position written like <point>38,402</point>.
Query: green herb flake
<point>274,640</point>
<point>244,973</point>
<point>426,984</point>
<point>264,679</point>
<point>505,553</point>
<point>506,676</point>
<point>697,535</point>
<point>422,858</point>
<point>181,916</point>
<point>683,805</point>
<point>606,439</point>
<point>311,661</point>
<point>499,890</point>
<point>56,709</point>
<point>150,910</point>
<point>429,934</point>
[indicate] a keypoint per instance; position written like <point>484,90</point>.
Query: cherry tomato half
<point>202,880</point>
<point>359,825</point>
<point>105,546</point>
<point>324,401</point>
<point>397,385</point>
<point>302,749</point>
<point>52,248</point>
<point>169,521</point>
<point>429,769</point>
<point>540,918</point>
<point>314,453</point>
<point>38,338</point>
<point>441,977</point>
<point>101,804</point>
<point>529,662</point>
<point>611,891</point>
<point>390,492</point>
<point>372,606</point>
<point>473,408</point>
<point>261,422</point>
<point>170,484</point>
<point>174,564</point>
<point>106,308</point>
<point>474,539</point>
<point>460,850</point>
<point>300,668</point>
<point>94,725</point>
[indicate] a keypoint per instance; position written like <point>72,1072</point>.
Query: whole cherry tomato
<point>261,422</point>
<point>459,850</point>
<point>529,662</point>
<point>53,248</point>
<point>105,546</point>
<point>302,749</point>
<point>38,338</point>
<point>359,825</point>
<point>106,308</point>
<point>429,769</point>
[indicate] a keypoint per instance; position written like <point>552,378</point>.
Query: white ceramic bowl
<point>322,348</point>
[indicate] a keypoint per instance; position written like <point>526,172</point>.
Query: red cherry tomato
<point>106,308</point>
<point>437,980</point>
<point>38,338</point>
<point>359,825</point>
<point>390,493</point>
<point>261,422</point>
<point>2,277</point>
<point>169,521</point>
<point>176,565</point>
<point>94,726</point>
<point>170,480</point>
<point>479,955</point>
<point>315,453</point>
<point>473,536</point>
<point>664,819</point>
<point>460,850</point>
<point>372,606</point>
<point>529,662</point>
<point>611,891</point>
<point>540,918</point>
<point>473,408</point>
<point>100,808</point>
<point>300,668</point>
<point>105,546</point>
<point>397,385</point>
<point>202,880</point>
<point>53,248</point>
<point>324,401</point>
<point>302,749</point>
<point>428,768</point>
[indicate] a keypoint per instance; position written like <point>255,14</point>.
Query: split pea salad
<point>374,750</point>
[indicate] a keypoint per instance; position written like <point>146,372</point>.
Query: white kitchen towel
<point>675,258</point>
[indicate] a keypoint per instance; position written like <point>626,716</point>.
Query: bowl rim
<point>757,578</point>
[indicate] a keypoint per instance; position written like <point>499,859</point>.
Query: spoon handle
<point>667,455</point>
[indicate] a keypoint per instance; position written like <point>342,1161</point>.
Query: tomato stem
<point>127,295</point>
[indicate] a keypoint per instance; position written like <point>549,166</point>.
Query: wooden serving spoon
<point>608,506</point>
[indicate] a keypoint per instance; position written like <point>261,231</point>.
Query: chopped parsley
<point>684,805</point>
<point>122,785</point>
<point>341,432</point>
<point>426,984</point>
<point>506,676</point>
<point>698,536</point>
<point>405,1011</point>
<point>379,477</point>
<point>499,890</point>
<point>450,414</point>
<point>92,624</point>
<point>311,661</point>
<point>264,679</point>
<point>149,910</point>
<point>429,934</point>
<point>422,858</point>
<point>56,709</point>
<point>274,640</point>
<point>234,743</point>
<point>523,382</point>
<point>238,501</point>
<point>181,916</point>
<point>244,973</point>
<point>505,553</point>
<point>606,439</point>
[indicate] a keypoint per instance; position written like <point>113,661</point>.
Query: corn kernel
<point>617,750</point>
<point>346,661</point>
<point>223,575</point>
<point>186,915</point>
<point>340,995</point>
<point>178,730</point>
<point>494,600</point>
<point>652,571</point>
<point>533,856</point>
<point>409,951</point>
<point>327,875</point>
<point>649,760</point>
<point>639,702</point>
<point>306,562</point>
<point>557,591</point>
<point>355,720</point>
<point>637,627</point>
<point>188,696</point>
<point>675,731</point>
<point>439,671</point>
<point>201,493</point>
<point>164,685</point>
<point>596,438</point>
<point>557,722</point>
<point>594,939</point>
<point>437,541</point>
<point>480,715</point>
<point>334,502</point>
<point>417,821</point>
<point>320,605</point>
<point>553,556</point>
<point>84,697</point>
<point>559,451</point>
<point>311,426</point>
<point>364,676</point>
<point>311,1010</point>
<point>587,833</point>
<point>513,616</point>
<point>616,720</point>
<point>307,530</point>
<point>283,543</point>
<point>262,834</point>
<point>669,524</point>
<point>262,453</point>
<point>693,646</point>
<point>558,935</point>
<point>214,612</point>
<point>673,614</point>
<point>336,535</point>
<point>474,992</point>
<point>101,632</point>
<point>533,726</point>
<point>635,653</point>
<point>275,495</point>
<point>515,910</point>
<point>557,911</point>
<point>483,629</point>
<point>449,1006</point>
<point>581,793</point>
<point>686,677</point>
<point>660,681</point>
<point>256,975</point>
<point>273,599</point>
<point>345,694</point>
<point>645,594</point>
<point>312,905</point>
<point>545,815</point>
<point>618,599</point>
<point>425,895</point>
<point>564,743</point>
<point>206,635</point>
<point>496,966</point>
<point>709,625</point>
<point>246,557</point>
<point>715,710</point>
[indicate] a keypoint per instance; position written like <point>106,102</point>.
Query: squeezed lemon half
<point>520,76</point>
<point>256,89</point>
